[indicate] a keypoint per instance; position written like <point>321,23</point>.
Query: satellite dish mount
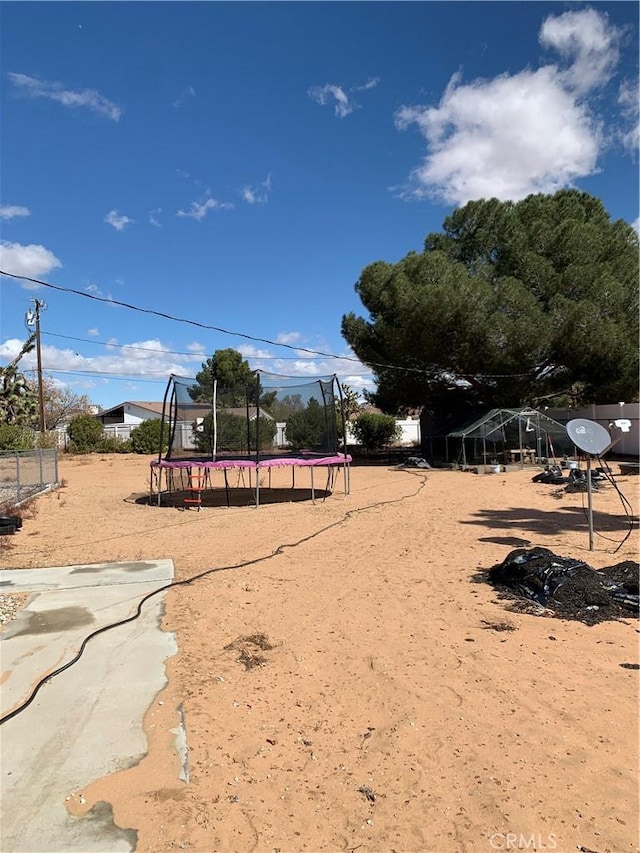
<point>594,440</point>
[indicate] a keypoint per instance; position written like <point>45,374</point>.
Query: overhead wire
<point>209,327</point>
<point>194,355</point>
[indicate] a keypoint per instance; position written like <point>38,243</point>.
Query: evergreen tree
<point>513,303</point>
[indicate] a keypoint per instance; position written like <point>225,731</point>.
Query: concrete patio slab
<point>87,721</point>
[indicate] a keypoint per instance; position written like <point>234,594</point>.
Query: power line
<point>419,370</point>
<point>137,377</point>
<point>176,352</point>
<point>199,325</point>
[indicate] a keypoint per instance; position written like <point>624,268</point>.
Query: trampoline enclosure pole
<point>215,419</point>
<point>164,404</point>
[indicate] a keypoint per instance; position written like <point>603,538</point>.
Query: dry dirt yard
<point>386,711</point>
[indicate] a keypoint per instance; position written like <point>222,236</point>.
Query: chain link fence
<point>25,473</point>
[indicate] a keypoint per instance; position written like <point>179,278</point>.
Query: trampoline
<point>224,440</point>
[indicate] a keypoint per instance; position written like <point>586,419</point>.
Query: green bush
<point>85,433</point>
<point>232,433</point>
<point>16,437</point>
<point>375,431</point>
<point>146,437</point>
<point>307,428</point>
<point>111,444</point>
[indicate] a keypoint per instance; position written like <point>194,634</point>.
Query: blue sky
<point>238,164</point>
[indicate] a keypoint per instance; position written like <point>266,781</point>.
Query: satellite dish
<point>589,436</point>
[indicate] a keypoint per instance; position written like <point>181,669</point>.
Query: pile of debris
<point>575,482</point>
<point>568,588</point>
<point>415,462</point>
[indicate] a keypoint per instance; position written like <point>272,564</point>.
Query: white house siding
<point>135,415</point>
<point>410,434</point>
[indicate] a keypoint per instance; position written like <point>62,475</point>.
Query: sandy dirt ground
<point>385,712</point>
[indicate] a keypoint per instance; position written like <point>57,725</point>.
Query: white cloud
<point>32,260</point>
<point>636,225</point>
<point>343,103</point>
<point>199,209</point>
<point>322,95</point>
<point>93,333</point>
<point>152,217</point>
<point>189,92</point>
<point>181,173</point>
<point>33,87</point>
<point>370,84</point>
<point>94,290</point>
<point>628,98</point>
<point>9,211</point>
<point>196,348</point>
<point>150,358</point>
<point>288,337</point>
<point>359,375</point>
<point>119,221</point>
<point>255,355</point>
<point>257,196</point>
<point>587,41</point>
<point>516,134</point>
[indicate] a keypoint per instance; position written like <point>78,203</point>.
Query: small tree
<point>306,428</point>
<point>61,403</point>
<point>18,403</point>
<point>375,431</point>
<point>233,375</point>
<point>85,433</point>
<point>231,435</point>
<point>348,406</point>
<point>146,437</point>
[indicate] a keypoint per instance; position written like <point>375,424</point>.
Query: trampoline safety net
<point>271,416</point>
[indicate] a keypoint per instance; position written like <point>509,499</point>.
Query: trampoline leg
<point>257,485</point>
<point>329,485</point>
<point>226,487</point>
<point>313,491</point>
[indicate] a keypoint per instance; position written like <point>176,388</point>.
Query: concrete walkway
<point>86,722</point>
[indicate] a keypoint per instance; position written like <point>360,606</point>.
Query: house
<point>120,420</point>
<point>131,412</point>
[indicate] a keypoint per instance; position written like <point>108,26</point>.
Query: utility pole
<point>33,319</point>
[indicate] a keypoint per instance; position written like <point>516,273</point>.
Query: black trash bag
<point>578,482</point>
<point>415,462</point>
<point>569,587</point>
<point>551,474</point>
<point>625,574</point>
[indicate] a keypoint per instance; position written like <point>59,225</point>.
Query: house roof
<point>241,412</point>
<point>156,408</point>
<point>191,410</point>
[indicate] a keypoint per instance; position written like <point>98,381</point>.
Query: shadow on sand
<point>236,497</point>
<point>550,522</point>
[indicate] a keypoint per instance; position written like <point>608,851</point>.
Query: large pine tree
<point>512,303</point>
